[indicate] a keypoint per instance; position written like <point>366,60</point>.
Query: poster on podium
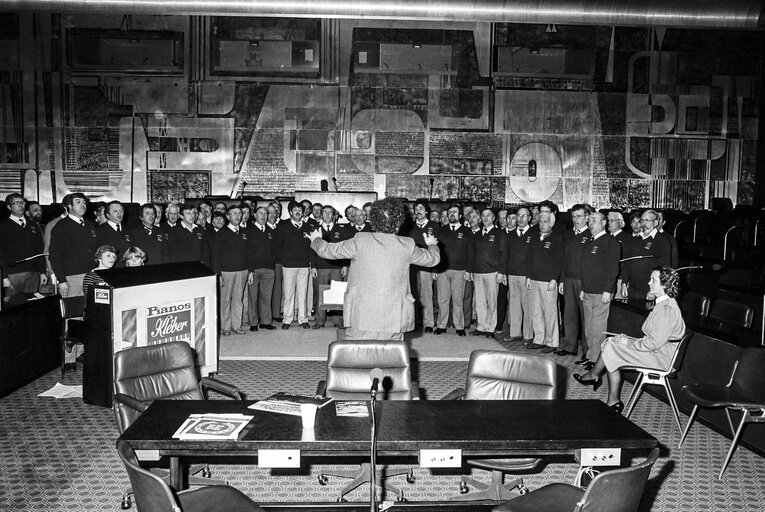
<point>151,305</point>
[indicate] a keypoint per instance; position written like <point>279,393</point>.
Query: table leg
<point>176,475</point>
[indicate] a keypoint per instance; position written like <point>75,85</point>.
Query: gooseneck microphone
<point>649,257</point>
<point>715,267</point>
<point>376,375</point>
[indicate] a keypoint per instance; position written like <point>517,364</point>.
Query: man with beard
<point>456,240</point>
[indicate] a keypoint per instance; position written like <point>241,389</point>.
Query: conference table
<point>479,429</point>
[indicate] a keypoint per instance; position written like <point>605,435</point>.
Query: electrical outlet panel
<point>600,457</point>
<point>279,458</point>
<point>440,458</point>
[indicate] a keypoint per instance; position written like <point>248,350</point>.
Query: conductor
<point>378,302</point>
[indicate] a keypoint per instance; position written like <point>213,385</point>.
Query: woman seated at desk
<point>134,257</point>
<point>664,324</point>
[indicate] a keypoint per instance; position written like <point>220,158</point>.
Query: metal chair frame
<point>654,377</point>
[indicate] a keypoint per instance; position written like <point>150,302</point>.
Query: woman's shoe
<point>595,383</point>
<point>618,406</point>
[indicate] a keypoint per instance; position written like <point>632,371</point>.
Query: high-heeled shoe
<point>618,406</point>
<point>595,383</point>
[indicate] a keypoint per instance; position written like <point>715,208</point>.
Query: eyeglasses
<point>18,202</point>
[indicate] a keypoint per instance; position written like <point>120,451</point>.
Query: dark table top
<point>478,428</point>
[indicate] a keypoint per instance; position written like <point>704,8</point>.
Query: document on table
<point>63,391</point>
<point>356,408</point>
<point>212,426</point>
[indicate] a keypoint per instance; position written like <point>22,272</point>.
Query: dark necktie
<point>454,228</point>
<point>82,222</point>
<point>22,223</point>
<point>119,229</point>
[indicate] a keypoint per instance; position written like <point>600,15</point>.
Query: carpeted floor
<point>298,344</point>
<point>59,454</point>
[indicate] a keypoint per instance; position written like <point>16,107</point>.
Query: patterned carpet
<point>59,454</point>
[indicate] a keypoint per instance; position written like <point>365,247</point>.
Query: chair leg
<point>730,421</point>
<point>688,426</point>
<point>734,443</point>
<point>637,389</point>
<point>672,403</point>
<point>496,491</point>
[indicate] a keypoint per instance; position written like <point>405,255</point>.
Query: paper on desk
<point>336,292</point>
<point>63,391</point>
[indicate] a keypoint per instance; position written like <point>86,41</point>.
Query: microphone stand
<point>373,455</point>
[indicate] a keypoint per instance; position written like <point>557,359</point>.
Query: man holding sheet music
<point>379,304</point>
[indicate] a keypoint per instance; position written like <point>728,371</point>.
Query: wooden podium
<point>140,306</point>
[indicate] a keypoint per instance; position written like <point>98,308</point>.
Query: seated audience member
<point>653,350</point>
<point>134,257</point>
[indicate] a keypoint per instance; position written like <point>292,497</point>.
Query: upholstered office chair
<point>617,490</point>
<point>72,326</point>
<point>653,377</point>
<point>730,312</point>
<point>152,494</point>
<point>500,375</point>
<point>166,371</point>
<point>349,364</point>
<point>744,392</point>
<point>694,304</point>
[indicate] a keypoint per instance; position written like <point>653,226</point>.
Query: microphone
<point>375,376</point>
<point>715,267</point>
<point>650,257</point>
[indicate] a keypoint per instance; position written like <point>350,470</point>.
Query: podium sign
<point>137,307</point>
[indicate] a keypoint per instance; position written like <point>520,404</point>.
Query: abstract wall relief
<point>611,116</point>
<point>689,122</point>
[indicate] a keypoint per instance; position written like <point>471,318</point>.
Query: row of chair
<point>726,311</point>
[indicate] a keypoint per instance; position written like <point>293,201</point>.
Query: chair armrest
<point>220,387</point>
<point>131,402</point>
<point>415,389</point>
<point>321,388</point>
<point>457,394</point>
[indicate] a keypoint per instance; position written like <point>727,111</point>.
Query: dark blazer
<point>19,243</point>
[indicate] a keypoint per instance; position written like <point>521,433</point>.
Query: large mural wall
<point>163,108</point>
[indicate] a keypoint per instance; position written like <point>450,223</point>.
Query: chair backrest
<point>731,312</point>
<point>158,371</point>
<point>695,304</point>
<point>349,364</point>
<point>502,375</point>
<point>72,307</point>
<point>682,346</point>
<point>749,377</point>
<point>618,490</point>
<point>150,492</point>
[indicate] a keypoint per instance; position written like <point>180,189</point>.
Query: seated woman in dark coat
<point>653,350</point>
